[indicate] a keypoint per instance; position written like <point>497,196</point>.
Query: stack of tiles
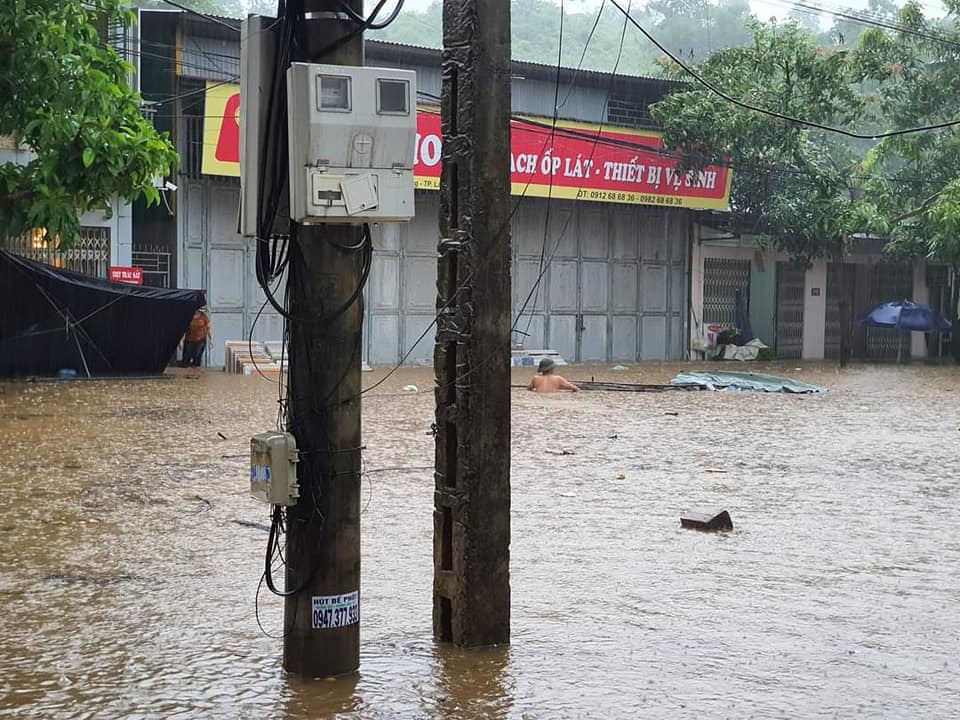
<point>245,358</point>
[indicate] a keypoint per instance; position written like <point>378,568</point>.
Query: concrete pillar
<point>124,233</point>
<point>921,294</point>
<point>471,601</point>
<point>696,289</point>
<point>815,311</point>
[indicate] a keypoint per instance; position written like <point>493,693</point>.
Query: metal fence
<point>155,264</point>
<point>89,255</point>
<point>722,278</point>
<point>864,286</point>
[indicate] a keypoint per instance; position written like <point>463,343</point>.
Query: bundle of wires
<point>280,252</point>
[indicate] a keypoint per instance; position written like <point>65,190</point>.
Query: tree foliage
<point>914,178</point>
<point>808,191</point>
<point>794,186</point>
<point>66,99</point>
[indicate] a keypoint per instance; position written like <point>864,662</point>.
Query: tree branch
<point>924,206</point>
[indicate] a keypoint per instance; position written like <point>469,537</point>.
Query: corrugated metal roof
<point>377,47</point>
<point>539,68</point>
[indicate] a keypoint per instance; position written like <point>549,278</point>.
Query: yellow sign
<point>221,130</point>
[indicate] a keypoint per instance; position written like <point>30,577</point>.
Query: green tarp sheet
<point>751,382</point>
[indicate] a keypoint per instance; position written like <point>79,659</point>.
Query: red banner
<point>575,161</point>
<point>586,162</point>
<point>128,275</point>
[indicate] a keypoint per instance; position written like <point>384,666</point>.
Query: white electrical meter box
<point>352,134</point>
<point>273,468</point>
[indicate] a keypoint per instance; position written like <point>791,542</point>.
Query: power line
<point>205,16</point>
<point>466,280</point>
<point>773,113</point>
<point>583,55</point>
<point>552,140</point>
<point>191,93</point>
<point>863,18</point>
<point>593,149</point>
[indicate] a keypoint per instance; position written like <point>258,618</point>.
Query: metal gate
<point>864,287</point>
<point>791,286</point>
<point>940,291</point>
<point>890,282</point>
<point>155,265</point>
<point>89,255</point>
<point>841,280</point>
<point>722,278</point>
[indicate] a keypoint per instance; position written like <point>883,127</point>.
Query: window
<point>333,92</point>
<point>392,97</point>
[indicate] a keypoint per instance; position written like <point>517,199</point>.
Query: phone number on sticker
<point>336,611</point>
<point>335,617</point>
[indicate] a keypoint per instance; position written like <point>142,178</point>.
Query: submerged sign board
<point>575,161</point>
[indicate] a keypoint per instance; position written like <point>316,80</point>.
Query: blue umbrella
<point>905,315</point>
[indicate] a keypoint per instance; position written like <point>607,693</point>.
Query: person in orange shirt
<point>548,381</point>
<point>195,341</point>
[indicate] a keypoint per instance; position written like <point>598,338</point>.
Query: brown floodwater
<point>127,586</point>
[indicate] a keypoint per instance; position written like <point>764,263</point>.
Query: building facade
<point>596,279</point>
<point>601,272</point>
<point>797,309</point>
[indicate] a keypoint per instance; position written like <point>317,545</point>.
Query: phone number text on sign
<point>335,611</point>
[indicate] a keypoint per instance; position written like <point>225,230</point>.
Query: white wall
<point>815,311</point>
<point>119,219</point>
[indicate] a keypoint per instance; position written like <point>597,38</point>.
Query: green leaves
<point>791,185</point>
<point>809,191</point>
<point>67,100</point>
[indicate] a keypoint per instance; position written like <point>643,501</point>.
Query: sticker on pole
<point>335,611</point>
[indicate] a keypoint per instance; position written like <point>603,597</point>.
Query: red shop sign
<point>580,161</point>
<point>128,275</point>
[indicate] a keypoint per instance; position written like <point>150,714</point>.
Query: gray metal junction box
<point>273,468</point>
<point>352,134</point>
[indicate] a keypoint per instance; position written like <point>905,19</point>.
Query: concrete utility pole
<point>323,529</point>
<point>471,602</point>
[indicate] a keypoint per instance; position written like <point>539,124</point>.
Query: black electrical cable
<point>191,93</point>
<point>583,55</point>
<point>368,22</point>
<point>596,139</point>
<point>773,113</point>
<point>366,246</point>
<point>273,546</point>
<point>272,539</point>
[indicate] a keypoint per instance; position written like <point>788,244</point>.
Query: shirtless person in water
<point>549,382</point>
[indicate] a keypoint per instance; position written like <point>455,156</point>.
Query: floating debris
<point>707,520</point>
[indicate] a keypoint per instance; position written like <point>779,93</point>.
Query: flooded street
<point>131,554</point>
